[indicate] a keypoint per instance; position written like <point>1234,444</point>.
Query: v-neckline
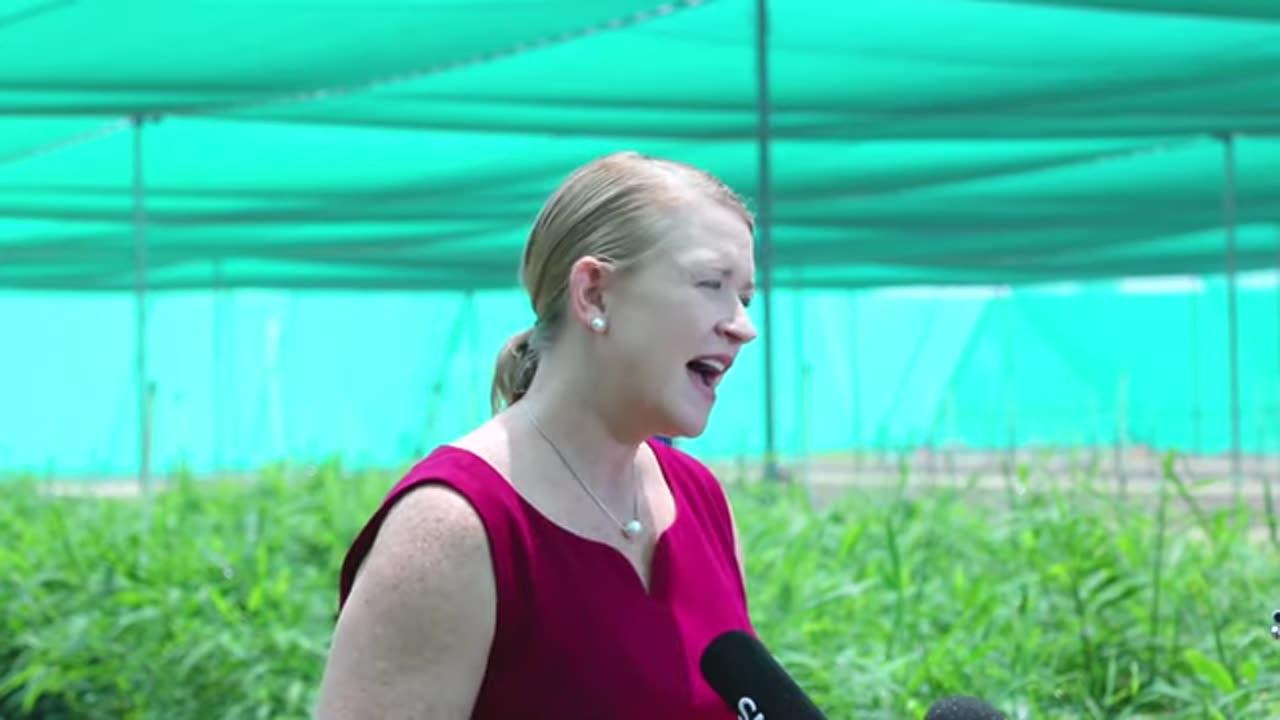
<point>656,586</point>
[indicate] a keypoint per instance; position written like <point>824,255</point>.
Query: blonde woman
<point>559,561</point>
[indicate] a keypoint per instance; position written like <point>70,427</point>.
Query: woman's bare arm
<point>413,638</point>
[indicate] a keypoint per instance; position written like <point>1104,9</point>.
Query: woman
<point>557,561</point>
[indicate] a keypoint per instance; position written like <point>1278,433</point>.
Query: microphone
<point>963,707</point>
<point>751,682</point>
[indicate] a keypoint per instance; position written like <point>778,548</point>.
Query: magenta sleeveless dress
<point>577,636</point>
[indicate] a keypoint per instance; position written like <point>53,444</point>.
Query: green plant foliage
<point>1052,603</point>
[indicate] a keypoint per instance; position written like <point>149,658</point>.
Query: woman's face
<point>677,322</point>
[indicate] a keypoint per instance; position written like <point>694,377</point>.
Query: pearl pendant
<point>632,529</point>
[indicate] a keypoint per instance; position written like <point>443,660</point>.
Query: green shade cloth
<point>408,145</point>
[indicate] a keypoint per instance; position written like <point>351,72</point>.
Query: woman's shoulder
<point>424,606</point>
<point>451,490</point>
<point>462,467</point>
<point>475,466</point>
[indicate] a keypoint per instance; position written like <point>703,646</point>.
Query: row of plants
<point>1058,600</point>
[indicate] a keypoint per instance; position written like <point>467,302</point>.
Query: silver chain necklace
<point>631,529</point>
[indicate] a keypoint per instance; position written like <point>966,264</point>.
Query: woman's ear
<point>588,279</point>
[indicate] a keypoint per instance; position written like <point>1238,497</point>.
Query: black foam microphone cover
<point>751,682</point>
<point>963,707</point>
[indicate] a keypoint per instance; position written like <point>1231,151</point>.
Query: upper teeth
<point>714,364</point>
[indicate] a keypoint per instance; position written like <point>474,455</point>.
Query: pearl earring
<point>597,323</point>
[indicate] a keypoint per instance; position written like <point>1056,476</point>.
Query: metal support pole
<point>1007,377</point>
<point>219,418</point>
<point>764,221</point>
<point>1233,331</point>
<point>1275,414</point>
<point>1122,431</point>
<point>473,362</point>
<point>803,378</point>
<point>1268,494</point>
<point>856,400</point>
<point>1197,412</point>
<point>140,308</point>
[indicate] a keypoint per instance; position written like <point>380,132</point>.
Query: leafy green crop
<point>1049,602</point>
<point>221,608</point>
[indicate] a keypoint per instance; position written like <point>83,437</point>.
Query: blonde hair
<point>612,209</point>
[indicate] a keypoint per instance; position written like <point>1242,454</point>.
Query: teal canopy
<point>344,145</point>
<point>408,145</point>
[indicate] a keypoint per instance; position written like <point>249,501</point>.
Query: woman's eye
<point>719,284</point>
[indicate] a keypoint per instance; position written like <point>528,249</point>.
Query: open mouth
<point>707,371</point>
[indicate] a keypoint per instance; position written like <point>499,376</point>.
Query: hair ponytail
<point>513,372</point>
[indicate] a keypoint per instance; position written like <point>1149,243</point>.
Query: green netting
<point>348,144</point>
<point>243,378</point>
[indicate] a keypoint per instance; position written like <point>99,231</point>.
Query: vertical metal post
<point>140,324</point>
<point>856,400</point>
<point>802,371</point>
<point>1271,415</point>
<point>764,220</point>
<point>477,398</point>
<point>229,374</point>
<point>949,408</point>
<point>1233,331</point>
<point>1268,493</point>
<point>218,360</point>
<point>1122,431</point>
<point>1007,374</point>
<point>1197,412</point>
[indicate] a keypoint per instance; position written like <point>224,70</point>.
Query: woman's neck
<point>573,416</point>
